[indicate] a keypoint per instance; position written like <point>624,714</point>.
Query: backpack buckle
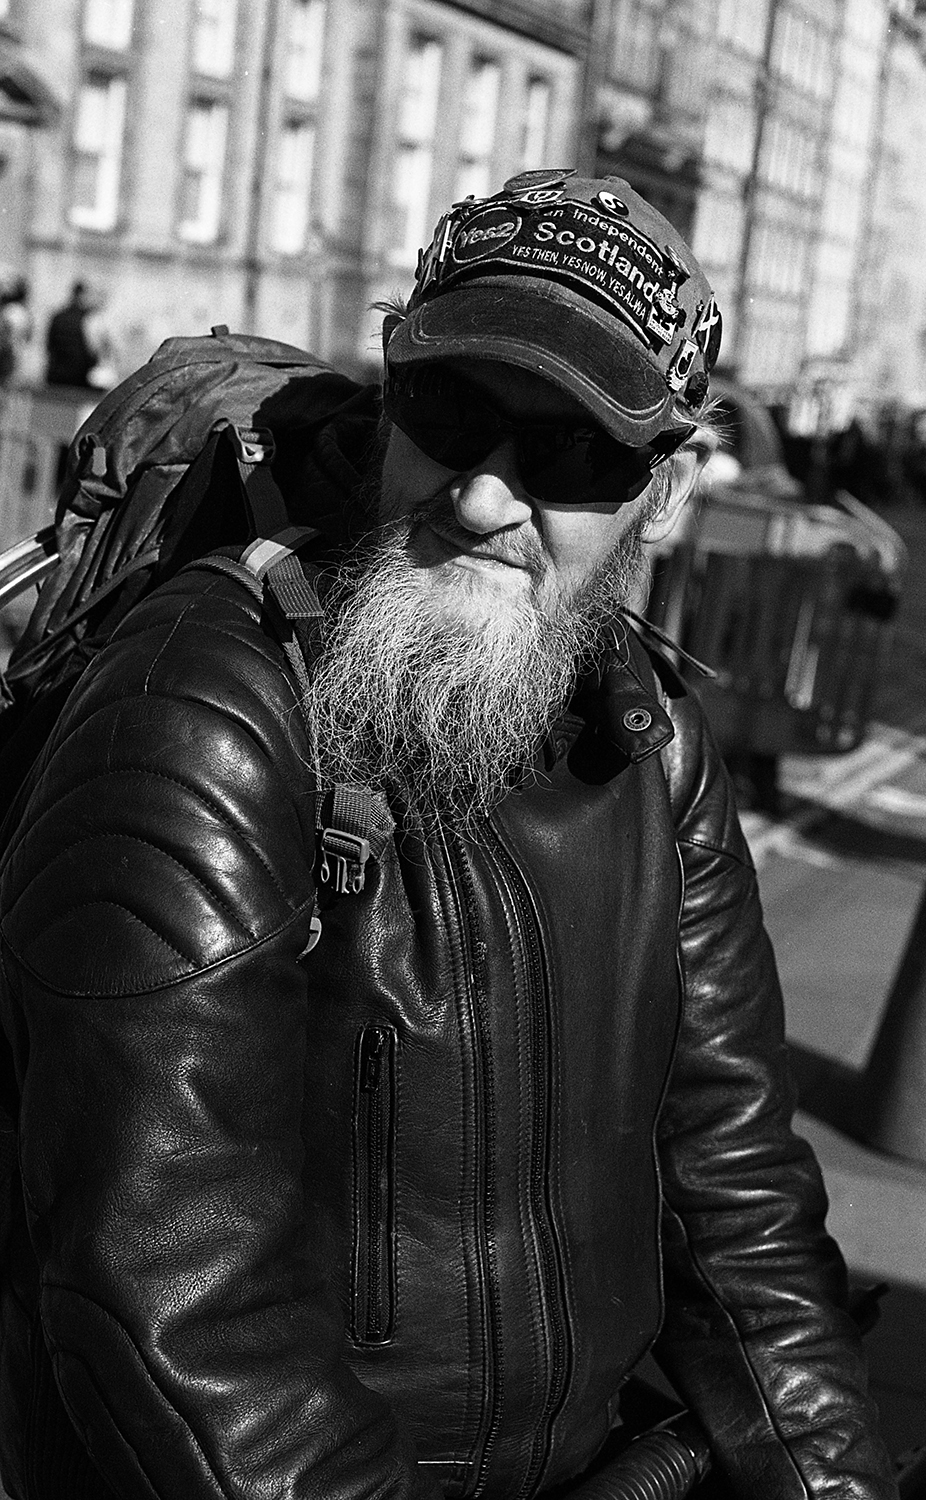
<point>344,857</point>
<point>253,445</point>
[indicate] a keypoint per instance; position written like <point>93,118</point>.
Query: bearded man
<point>399,1049</point>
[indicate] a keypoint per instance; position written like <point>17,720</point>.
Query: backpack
<point>140,495</point>
<point>177,461</point>
<point>179,464</point>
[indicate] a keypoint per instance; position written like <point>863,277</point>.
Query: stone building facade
<point>888,326</point>
<point>791,140</point>
<point>27,104</point>
<point>275,164</point>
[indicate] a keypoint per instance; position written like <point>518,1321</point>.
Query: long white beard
<point>443,707</point>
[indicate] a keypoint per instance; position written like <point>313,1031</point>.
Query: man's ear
<point>686,471</point>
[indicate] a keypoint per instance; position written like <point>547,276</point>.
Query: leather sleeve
<point>156,908</point>
<point>756,1336</point>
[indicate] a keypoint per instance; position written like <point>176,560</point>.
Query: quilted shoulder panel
<point>170,823</point>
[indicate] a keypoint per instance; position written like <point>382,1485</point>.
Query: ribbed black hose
<point>664,1463</point>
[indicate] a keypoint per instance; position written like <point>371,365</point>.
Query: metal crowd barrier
<point>791,605</point>
<point>36,426</point>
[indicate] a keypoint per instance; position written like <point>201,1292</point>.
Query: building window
<point>214,37</point>
<point>853,111</point>
<point>729,133</point>
<point>866,22</point>
<point>773,345</point>
<point>415,146</point>
<point>203,168</point>
<point>789,158</point>
<point>636,42</point>
<point>98,128</point>
<point>305,41</point>
<point>718,231</point>
<point>292,187</point>
<point>535,125</point>
<point>108,23</point>
<point>801,52</point>
<point>743,23</point>
<point>477,130</point>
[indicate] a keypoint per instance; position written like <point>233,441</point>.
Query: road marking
<point>856,778</point>
<point>785,839</point>
<point>810,772</point>
<point>896,799</point>
<point>792,846</point>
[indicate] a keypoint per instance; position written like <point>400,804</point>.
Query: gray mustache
<point>516,547</point>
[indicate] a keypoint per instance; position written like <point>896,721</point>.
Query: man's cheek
<point>409,477</point>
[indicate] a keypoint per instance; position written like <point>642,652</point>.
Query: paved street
<point>841,875</point>
<point>841,879</point>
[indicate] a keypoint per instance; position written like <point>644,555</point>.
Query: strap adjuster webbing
<point>261,554</point>
<point>273,562</point>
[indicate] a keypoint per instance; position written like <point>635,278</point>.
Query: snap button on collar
<point>637,719</point>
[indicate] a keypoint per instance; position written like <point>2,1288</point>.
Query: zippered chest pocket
<point>373,1268</point>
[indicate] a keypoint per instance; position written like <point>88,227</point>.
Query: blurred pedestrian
<point>867,458</point>
<point>75,346</point>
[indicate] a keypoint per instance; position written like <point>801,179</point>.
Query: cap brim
<point>543,327</point>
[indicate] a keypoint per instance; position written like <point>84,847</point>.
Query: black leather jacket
<point>396,1216</point>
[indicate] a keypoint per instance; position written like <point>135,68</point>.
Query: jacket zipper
<point>654,1145</point>
<point>472,992</point>
<point>373,1261</point>
<point>548,1249</point>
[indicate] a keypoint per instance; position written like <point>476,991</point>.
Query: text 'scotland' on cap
<point>579,280</point>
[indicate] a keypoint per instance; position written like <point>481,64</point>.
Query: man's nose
<point>490,496</point>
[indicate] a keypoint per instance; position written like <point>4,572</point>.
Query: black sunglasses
<point>559,463</point>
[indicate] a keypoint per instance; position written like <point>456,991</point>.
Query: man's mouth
<point>463,544</point>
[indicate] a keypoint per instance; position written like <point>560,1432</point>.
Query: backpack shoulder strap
<point>271,571</point>
<point>352,823</point>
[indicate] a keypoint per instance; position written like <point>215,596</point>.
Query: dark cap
<point>579,280</point>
